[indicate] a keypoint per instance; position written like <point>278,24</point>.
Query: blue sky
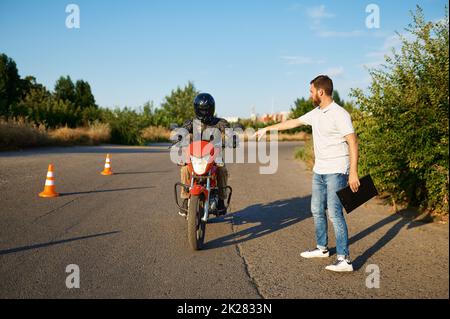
<point>259,54</point>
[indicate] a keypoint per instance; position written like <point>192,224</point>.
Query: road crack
<point>246,265</point>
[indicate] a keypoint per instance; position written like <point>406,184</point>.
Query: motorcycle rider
<point>204,108</point>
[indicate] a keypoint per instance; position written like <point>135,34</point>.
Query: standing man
<point>336,165</point>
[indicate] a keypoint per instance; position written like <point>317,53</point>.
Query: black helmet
<point>204,107</point>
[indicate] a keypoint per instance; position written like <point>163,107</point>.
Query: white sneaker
<point>316,253</point>
<point>340,265</point>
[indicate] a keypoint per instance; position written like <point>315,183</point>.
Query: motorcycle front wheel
<point>196,227</point>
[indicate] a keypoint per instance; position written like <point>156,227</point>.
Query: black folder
<point>351,200</point>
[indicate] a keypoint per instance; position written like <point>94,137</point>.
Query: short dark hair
<point>323,82</point>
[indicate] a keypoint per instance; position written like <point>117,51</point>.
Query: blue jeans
<point>324,196</point>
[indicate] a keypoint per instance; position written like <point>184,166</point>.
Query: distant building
<point>253,116</point>
<point>275,117</point>
<point>232,119</point>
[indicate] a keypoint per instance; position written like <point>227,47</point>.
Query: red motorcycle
<point>203,190</point>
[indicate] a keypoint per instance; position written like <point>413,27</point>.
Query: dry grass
<point>16,134</point>
<point>155,134</point>
<point>300,136</point>
<point>93,135</point>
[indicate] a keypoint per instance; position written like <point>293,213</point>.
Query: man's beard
<point>316,100</point>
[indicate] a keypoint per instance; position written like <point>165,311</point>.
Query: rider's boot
<point>185,206</point>
<point>221,207</point>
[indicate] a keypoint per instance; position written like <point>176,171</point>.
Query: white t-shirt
<point>329,127</point>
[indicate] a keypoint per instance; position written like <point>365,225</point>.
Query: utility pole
<point>272,104</point>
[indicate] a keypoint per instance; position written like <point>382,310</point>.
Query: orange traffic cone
<point>49,188</point>
<point>107,170</point>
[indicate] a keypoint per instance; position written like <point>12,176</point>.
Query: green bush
<point>403,119</point>
<point>306,153</point>
<point>301,107</point>
<point>126,125</point>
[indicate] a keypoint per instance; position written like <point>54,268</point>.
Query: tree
<point>148,114</point>
<point>337,98</point>
<point>9,84</point>
<point>34,103</point>
<point>403,120</point>
<point>65,89</point>
<point>178,106</point>
<point>301,107</point>
<point>83,95</point>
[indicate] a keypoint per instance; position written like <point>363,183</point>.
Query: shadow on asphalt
<point>400,222</point>
<point>24,248</point>
<point>280,214</point>
<point>106,190</point>
<point>132,173</point>
<point>268,218</point>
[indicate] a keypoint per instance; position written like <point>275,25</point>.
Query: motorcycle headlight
<point>199,164</point>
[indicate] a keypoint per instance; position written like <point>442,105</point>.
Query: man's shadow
<point>267,218</point>
<point>284,213</point>
<point>400,220</point>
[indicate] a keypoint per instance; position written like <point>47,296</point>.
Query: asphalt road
<point>124,234</point>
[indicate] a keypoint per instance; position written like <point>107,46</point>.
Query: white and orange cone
<point>49,188</point>
<point>107,170</point>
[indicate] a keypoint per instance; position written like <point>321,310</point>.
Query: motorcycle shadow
<point>266,218</point>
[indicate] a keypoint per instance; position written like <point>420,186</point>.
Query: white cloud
<point>373,64</point>
<point>319,12</point>
<point>393,41</point>
<point>295,7</point>
<point>335,72</point>
<point>295,60</point>
<point>375,54</point>
<point>340,34</point>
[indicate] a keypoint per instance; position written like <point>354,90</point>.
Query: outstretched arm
<point>287,125</point>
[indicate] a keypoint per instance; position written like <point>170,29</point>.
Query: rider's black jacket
<point>216,122</point>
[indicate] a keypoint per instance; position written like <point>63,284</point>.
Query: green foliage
<point>403,120</point>
<point>40,107</point>
<point>301,107</point>
<point>65,89</point>
<point>248,123</point>
<point>178,106</point>
<point>74,105</point>
<point>306,153</point>
<point>70,105</point>
<point>337,98</point>
<point>10,84</point>
<point>126,124</point>
<point>83,95</point>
